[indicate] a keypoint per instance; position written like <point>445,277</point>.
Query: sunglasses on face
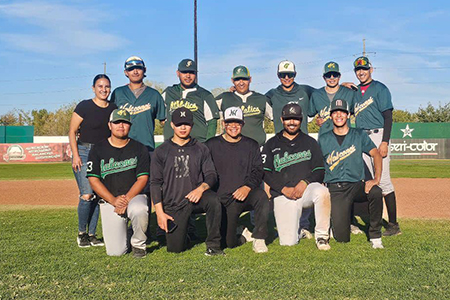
<point>239,79</point>
<point>188,72</point>
<point>284,75</point>
<point>332,74</point>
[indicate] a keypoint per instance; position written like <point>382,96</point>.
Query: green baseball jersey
<point>198,100</point>
<point>278,98</point>
<point>370,106</point>
<point>255,108</point>
<point>143,110</point>
<point>344,163</point>
<point>320,104</point>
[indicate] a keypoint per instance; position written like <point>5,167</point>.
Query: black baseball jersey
<point>118,168</point>
<point>320,104</point>
<point>278,98</point>
<point>369,107</point>
<point>198,100</point>
<point>288,162</point>
<point>237,164</point>
<point>177,170</point>
<point>344,163</point>
<point>254,106</point>
<point>94,126</point>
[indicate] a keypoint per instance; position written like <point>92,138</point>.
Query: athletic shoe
<point>138,253</point>
<point>259,246</point>
<point>305,234</point>
<point>83,240</point>
<point>247,235</point>
<point>214,252</point>
<point>392,229</point>
<point>94,241</point>
<point>376,243</point>
<point>322,244</point>
<point>355,229</point>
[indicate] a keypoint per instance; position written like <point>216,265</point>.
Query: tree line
<point>56,123</point>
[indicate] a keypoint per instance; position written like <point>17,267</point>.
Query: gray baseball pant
<point>115,226</point>
<point>288,212</point>
<point>376,135</point>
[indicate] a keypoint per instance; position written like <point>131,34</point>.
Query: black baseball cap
<point>291,111</point>
<point>182,116</point>
<point>187,65</point>
<point>339,104</point>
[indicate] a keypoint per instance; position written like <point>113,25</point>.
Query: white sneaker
<point>305,234</point>
<point>322,244</point>
<point>259,246</point>
<point>376,243</point>
<point>355,229</point>
<point>247,235</point>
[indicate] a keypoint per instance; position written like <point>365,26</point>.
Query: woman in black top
<point>90,122</point>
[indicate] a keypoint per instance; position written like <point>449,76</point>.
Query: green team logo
<point>336,157</point>
<point>113,166</point>
<point>183,103</point>
<point>360,107</point>
<point>250,111</point>
<point>290,159</point>
<point>286,65</point>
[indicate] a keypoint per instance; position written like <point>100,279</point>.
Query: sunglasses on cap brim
<point>133,67</point>
<point>289,75</point>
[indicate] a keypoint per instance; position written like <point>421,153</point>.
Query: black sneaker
<point>83,240</point>
<point>214,252</point>
<point>94,241</point>
<point>139,253</point>
<point>392,229</point>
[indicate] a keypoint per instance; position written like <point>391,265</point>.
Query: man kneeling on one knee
<point>294,170</point>
<point>117,170</point>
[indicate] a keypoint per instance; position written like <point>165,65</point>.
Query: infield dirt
<point>416,197</point>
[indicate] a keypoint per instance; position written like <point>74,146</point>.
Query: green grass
<point>399,169</point>
<point>39,259</point>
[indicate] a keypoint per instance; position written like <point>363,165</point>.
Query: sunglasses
<point>284,75</point>
<point>332,74</point>
<point>188,72</point>
<point>244,79</point>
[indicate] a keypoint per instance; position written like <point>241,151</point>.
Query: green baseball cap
<point>339,104</point>
<point>240,72</point>
<point>120,115</point>
<point>362,62</point>
<point>331,66</point>
<point>187,65</point>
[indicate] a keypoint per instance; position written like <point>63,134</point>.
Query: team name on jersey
<point>325,113</point>
<point>113,166</point>
<point>182,103</point>
<point>335,157</point>
<point>290,159</point>
<point>250,110</point>
<point>134,110</point>
<point>360,107</point>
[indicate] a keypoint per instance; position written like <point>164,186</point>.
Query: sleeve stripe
<point>142,174</point>
<point>93,175</point>
<point>267,169</point>
<point>208,113</point>
<point>318,168</point>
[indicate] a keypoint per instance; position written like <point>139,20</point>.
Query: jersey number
<point>264,158</point>
<point>89,166</point>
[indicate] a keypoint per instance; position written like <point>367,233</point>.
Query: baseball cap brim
<point>234,120</point>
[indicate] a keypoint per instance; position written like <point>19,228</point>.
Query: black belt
<point>370,131</point>
<point>85,144</point>
<point>339,184</point>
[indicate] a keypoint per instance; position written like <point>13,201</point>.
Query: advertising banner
<point>29,152</point>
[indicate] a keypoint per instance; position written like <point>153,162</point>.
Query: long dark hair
<point>100,76</point>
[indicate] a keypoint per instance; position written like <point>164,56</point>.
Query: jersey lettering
<point>113,166</point>
<point>336,157</point>
<point>360,107</point>
<point>136,110</point>
<point>287,160</point>
<point>250,111</point>
<point>182,103</point>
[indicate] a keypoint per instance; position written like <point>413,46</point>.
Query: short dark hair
<point>100,76</point>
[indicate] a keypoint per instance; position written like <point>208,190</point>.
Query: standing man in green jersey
<point>373,113</point>
<point>143,103</point>
<point>321,98</point>
<point>195,98</point>
<point>253,104</point>
<point>289,92</point>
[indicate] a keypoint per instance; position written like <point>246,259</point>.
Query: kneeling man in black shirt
<point>182,173</point>
<point>239,168</point>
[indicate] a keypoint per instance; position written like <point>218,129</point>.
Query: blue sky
<point>51,50</point>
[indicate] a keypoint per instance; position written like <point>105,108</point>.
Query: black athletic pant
<point>209,204</point>
<point>256,200</point>
<point>343,195</point>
